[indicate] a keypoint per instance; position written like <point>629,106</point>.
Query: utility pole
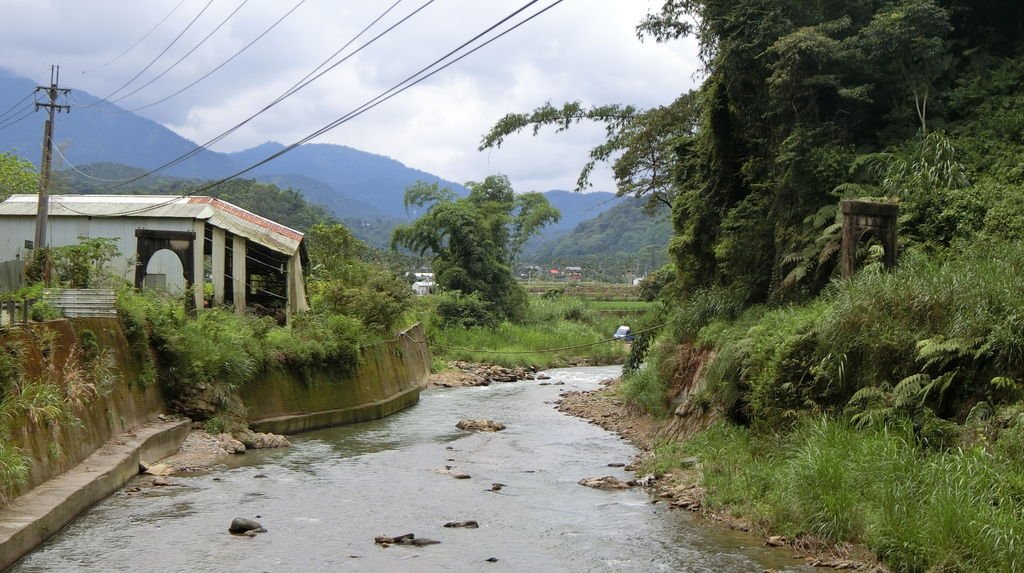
<point>43,210</point>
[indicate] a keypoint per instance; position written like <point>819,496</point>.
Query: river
<point>325,499</point>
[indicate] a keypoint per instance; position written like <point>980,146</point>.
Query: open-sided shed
<point>175,243</point>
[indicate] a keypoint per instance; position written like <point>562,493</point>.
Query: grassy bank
<point>554,322</point>
<point>884,412</point>
<point>918,509</point>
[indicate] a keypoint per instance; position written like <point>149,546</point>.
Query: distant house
<point>167,242</point>
<point>574,273</point>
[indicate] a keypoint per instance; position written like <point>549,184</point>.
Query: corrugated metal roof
<point>214,211</point>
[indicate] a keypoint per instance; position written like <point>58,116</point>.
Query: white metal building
<point>172,243</point>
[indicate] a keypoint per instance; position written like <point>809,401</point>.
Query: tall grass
<point>920,510</point>
<point>960,315</point>
<point>550,323</point>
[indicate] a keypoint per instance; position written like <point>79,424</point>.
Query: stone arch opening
<point>862,221</point>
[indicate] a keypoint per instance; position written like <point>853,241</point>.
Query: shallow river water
<point>325,499</point>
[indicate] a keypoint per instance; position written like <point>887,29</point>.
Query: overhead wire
<point>302,83</point>
<point>222,64</point>
<point>19,102</point>
<point>80,172</point>
<point>412,80</point>
<point>538,351</point>
<point>398,88</point>
<point>12,121</point>
<point>154,60</point>
<point>186,55</point>
<point>140,40</point>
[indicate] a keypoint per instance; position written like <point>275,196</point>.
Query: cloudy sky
<point>583,50</point>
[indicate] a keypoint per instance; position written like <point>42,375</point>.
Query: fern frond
<point>906,392</point>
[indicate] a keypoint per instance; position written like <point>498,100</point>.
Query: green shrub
<point>42,311</point>
<point>646,389</point>
<point>457,310</point>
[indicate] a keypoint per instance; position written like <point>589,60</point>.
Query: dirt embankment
<point>682,489</point>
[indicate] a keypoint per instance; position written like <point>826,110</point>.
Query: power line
<point>290,91</point>
<point>154,60</point>
<point>396,89</point>
<point>83,173</point>
<point>222,64</point>
<point>10,109</point>
<point>187,54</point>
<point>140,40</point>
<point>539,351</point>
<point>28,113</point>
<point>424,73</point>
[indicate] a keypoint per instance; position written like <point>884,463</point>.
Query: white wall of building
<point>62,231</point>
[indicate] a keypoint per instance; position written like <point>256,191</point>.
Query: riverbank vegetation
<point>555,330</point>
<point>884,409</point>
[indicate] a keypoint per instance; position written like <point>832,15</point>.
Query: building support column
<point>198,258</point>
<point>238,272</point>
<point>219,247</point>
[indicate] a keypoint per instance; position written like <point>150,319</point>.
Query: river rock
<point>480,425</point>
<point>259,440</point>
<point>405,539</point>
<point>604,482</point>
<point>241,525</point>
<point>775,541</point>
<point>229,444</point>
<point>162,482</point>
<point>156,469</point>
<point>468,524</point>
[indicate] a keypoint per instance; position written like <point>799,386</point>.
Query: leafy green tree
<point>345,280</point>
<point>647,149</point>
<point>474,240</point>
<point>16,176</point>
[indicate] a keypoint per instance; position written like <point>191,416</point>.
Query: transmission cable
<point>83,173</point>
<point>222,64</point>
<point>538,351</point>
<point>140,40</point>
<point>12,121</point>
<point>398,88</point>
<point>290,91</point>
<point>19,102</point>
<point>150,64</point>
<point>187,54</point>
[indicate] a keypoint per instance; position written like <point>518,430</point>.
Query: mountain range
<point>350,183</point>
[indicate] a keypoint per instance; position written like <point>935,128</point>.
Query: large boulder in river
<point>480,425</point>
<point>604,482</point>
<point>243,526</point>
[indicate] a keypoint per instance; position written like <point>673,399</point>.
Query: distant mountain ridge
<point>351,184</point>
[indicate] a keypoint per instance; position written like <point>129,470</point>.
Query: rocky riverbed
<point>681,488</point>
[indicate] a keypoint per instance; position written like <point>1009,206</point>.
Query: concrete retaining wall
<point>389,378</point>
<point>127,406</point>
<point>35,516</point>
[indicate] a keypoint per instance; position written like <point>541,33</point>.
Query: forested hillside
<point>624,232</point>
<point>884,410</point>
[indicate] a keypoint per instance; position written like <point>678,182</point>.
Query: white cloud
<point>579,50</point>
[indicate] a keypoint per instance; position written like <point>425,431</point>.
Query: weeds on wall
<point>67,383</point>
